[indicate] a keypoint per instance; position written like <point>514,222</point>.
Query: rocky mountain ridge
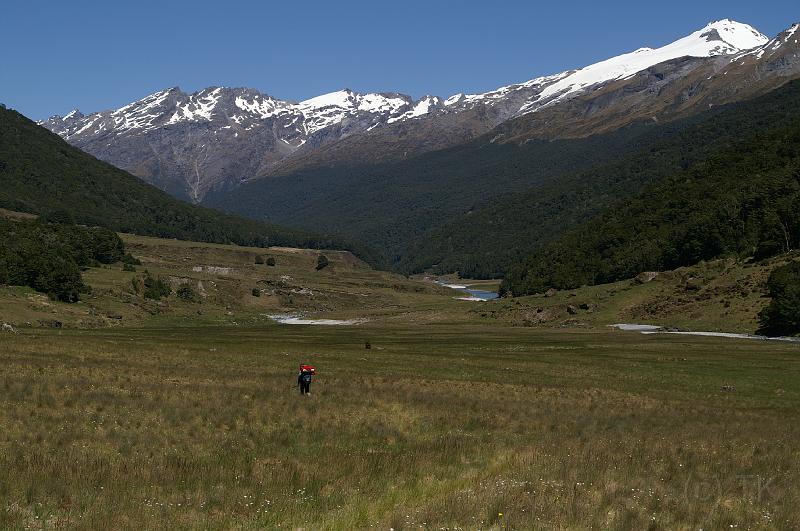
<point>217,138</point>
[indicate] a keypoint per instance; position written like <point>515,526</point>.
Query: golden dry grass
<point>440,426</point>
<point>175,414</point>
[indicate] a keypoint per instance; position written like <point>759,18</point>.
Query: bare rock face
<point>217,138</point>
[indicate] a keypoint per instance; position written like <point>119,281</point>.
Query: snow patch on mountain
<point>333,108</point>
<point>74,113</point>
<point>421,108</point>
<point>199,107</point>
<point>259,105</point>
<point>725,37</point>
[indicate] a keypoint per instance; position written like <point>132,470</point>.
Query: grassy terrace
<point>441,426</point>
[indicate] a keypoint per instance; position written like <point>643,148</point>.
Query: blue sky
<point>56,55</point>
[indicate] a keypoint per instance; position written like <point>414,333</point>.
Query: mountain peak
<point>340,98</point>
<point>736,35</point>
<point>789,32</point>
<point>722,37</point>
<point>73,114</point>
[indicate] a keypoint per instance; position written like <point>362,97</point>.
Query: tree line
<point>49,257</point>
<point>40,173</point>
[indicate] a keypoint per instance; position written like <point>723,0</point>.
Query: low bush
<point>186,293</point>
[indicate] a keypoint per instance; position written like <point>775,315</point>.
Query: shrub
<point>782,316</point>
<point>129,259</point>
<point>322,262</point>
<point>256,292</point>
<point>128,267</point>
<point>58,277</point>
<point>107,246</point>
<point>155,288</point>
<point>259,259</point>
<point>186,293</point>
<point>271,261</point>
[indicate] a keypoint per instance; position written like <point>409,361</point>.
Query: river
<point>473,294</point>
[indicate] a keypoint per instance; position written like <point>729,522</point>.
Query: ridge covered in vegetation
<point>41,173</point>
<point>393,205</point>
<point>49,257</point>
<point>743,201</point>
<point>481,208</point>
<point>489,242</point>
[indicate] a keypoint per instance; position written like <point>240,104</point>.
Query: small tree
<point>782,316</point>
<point>271,261</point>
<point>155,288</point>
<point>186,293</point>
<point>129,259</point>
<point>322,262</point>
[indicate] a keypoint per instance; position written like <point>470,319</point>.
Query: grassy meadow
<point>511,414</point>
<point>436,426</point>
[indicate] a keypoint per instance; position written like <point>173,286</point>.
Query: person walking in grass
<point>304,379</point>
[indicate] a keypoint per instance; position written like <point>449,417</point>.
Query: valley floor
<point>441,426</point>
<point>143,414</point>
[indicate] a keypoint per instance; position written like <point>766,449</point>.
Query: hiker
<point>304,379</point>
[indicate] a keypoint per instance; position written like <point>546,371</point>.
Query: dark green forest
<point>482,208</point>
<point>393,205</point>
<point>49,256</point>
<point>743,201</point>
<point>41,173</point>
<point>488,242</point>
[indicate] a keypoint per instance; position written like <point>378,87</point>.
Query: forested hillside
<point>742,201</point>
<point>391,206</point>
<point>487,242</point>
<point>41,173</point>
<point>480,208</point>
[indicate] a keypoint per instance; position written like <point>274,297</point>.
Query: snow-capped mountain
<point>242,106</point>
<point>191,144</point>
<point>725,37</point>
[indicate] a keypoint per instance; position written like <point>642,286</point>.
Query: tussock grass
<point>439,426</point>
